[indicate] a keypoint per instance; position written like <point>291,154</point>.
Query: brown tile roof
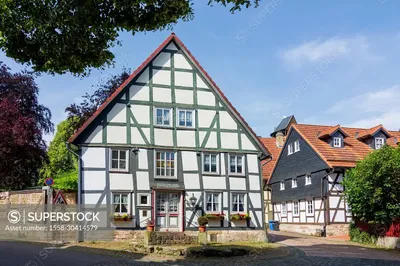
<point>268,165</point>
<point>354,150</point>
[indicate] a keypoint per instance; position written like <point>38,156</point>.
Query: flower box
<point>215,216</point>
<point>240,217</point>
<point>123,217</point>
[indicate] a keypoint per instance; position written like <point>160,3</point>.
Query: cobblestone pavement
<point>295,250</point>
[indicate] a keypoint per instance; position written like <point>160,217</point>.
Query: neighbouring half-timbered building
<point>168,146</point>
<point>305,181</point>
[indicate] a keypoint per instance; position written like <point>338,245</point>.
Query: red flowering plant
<point>215,216</point>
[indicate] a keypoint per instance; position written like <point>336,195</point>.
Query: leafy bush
<point>67,181</point>
<point>202,220</point>
<point>372,188</point>
<point>356,235</point>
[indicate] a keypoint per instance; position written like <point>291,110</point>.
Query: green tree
<point>373,186</point>
<point>61,164</point>
<point>74,35</point>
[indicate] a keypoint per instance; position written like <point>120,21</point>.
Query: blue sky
<point>326,62</point>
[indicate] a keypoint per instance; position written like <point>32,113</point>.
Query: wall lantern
<point>193,200</point>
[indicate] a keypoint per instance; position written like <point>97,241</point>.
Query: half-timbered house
<point>168,146</point>
<point>307,195</point>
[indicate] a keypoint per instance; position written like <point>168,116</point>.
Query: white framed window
<point>308,180</point>
<point>165,164</point>
<point>121,202</point>
<point>238,202</point>
<point>290,148</point>
<point>144,199</point>
<point>296,146</point>
<point>294,182</point>
<point>379,142</point>
<point>236,164</point>
<point>119,160</point>
<point>310,207</point>
<point>213,202</point>
<point>295,209</point>
<point>282,185</point>
<point>284,209</point>
<point>337,142</point>
<point>163,116</point>
<point>185,118</point>
<point>210,163</point>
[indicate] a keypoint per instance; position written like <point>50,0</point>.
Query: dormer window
<point>337,142</point>
<point>282,185</point>
<point>379,142</point>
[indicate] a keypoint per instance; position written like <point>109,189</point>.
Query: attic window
<point>337,142</point>
<point>379,142</point>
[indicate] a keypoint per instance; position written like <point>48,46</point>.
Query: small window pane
<point>122,164</point>
<point>114,164</point>
<point>122,155</point>
<point>114,155</point>
<point>189,119</point>
<point>143,200</point>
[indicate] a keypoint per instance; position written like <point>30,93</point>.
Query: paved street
<point>295,250</point>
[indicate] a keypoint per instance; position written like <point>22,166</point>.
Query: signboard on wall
<point>59,198</point>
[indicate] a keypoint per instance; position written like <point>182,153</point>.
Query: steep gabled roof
<point>174,38</point>
<point>330,131</point>
<point>370,132</point>
<point>353,151</point>
<point>268,165</point>
<point>283,124</point>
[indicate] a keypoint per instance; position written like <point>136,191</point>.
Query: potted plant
<point>202,221</point>
<point>150,225</point>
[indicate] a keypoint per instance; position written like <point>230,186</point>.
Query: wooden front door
<point>167,211</point>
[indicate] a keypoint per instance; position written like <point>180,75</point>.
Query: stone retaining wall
<point>225,236</point>
<point>389,242</point>
<point>307,229</point>
<point>164,238</point>
<point>337,230</point>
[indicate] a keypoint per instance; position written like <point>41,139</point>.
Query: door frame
<point>181,208</point>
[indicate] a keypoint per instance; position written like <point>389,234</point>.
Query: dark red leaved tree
<point>22,122</point>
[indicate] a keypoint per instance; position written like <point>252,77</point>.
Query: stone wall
<point>389,242</point>
<point>36,196</point>
<point>337,230</point>
<point>165,238</point>
<point>133,235</point>
<point>307,229</point>
<point>226,236</point>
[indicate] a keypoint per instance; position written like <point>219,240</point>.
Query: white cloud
<point>318,50</point>
<point>378,107</point>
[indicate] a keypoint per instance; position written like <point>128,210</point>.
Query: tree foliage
<point>22,122</point>
<point>74,35</point>
<point>373,186</point>
<point>91,102</point>
<point>60,159</point>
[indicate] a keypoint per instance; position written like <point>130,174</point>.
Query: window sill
<point>118,171</point>
<point>163,127</point>
<point>186,128</point>
<point>166,177</point>
<point>237,175</point>
<point>211,174</point>
<point>308,184</point>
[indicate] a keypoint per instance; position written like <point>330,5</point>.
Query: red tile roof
<point>332,130</point>
<point>268,165</point>
<point>170,38</point>
<point>369,132</point>
<point>354,150</point>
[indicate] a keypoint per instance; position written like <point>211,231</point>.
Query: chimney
<point>279,139</point>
